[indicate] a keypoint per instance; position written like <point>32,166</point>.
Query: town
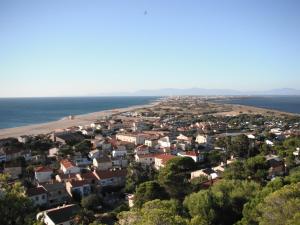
<point>181,149</point>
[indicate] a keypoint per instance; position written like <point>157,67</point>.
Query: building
<point>81,188</point>
<point>160,160</point>
<point>208,172</point>
<point>137,139</point>
<point>112,178</point>
<point>43,174</point>
<point>57,194</point>
<point>196,156</point>
<point>68,167</point>
<point>202,139</point>
<point>145,159</point>
<point>103,163</point>
<point>63,215</point>
<point>38,195</point>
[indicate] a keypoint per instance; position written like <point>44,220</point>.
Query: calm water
<point>282,103</point>
<point>15,112</point>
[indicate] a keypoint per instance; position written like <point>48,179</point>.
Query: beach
<point>64,123</point>
<point>86,119</point>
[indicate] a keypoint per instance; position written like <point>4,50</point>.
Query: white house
<point>119,152</point>
<point>145,159</point>
<point>68,167</point>
<point>164,142</point>
<point>62,215</point>
<point>197,157</point>
<point>137,139</point>
<point>102,163</point>
<point>202,139</point>
<point>81,187</point>
<point>43,174</point>
<point>38,195</point>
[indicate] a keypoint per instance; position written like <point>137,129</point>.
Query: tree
<point>84,217</point>
<point>148,191</point>
<point>240,146</point>
<point>254,168</point>
<point>83,147</point>
<point>280,206</point>
<point>174,177</point>
<point>137,174</point>
<point>15,207</point>
<point>235,171</point>
<point>223,203</point>
<point>91,202</point>
<point>155,212</point>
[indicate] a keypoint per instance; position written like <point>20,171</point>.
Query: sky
<point>86,47</point>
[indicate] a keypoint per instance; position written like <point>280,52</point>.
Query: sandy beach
<point>78,120</point>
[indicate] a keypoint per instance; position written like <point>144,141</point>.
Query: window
<point>43,196</point>
<point>37,198</point>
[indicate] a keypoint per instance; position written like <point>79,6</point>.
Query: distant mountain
<point>202,91</point>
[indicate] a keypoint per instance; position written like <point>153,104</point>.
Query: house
<point>276,166</point>
<point>137,139</point>
<point>83,162</point>
<point>119,162</point>
<point>23,139</point>
<point>184,138</point>
<point>160,160</point>
<point>62,215</point>
<point>208,172</point>
<point>43,174</point>
<point>94,154</point>
<point>142,149</point>
<point>61,177</point>
<point>68,166</point>
<point>268,142</point>
<point>13,169</point>
<point>67,137</point>
<point>11,153</point>
<point>119,152</point>
<point>196,156</point>
<point>2,156</point>
<point>102,163</point>
<point>113,178</point>
<point>81,188</point>
<point>53,152</point>
<point>89,177</point>
<point>202,140</point>
<point>38,195</point>
<point>145,159</point>
<point>151,141</point>
<point>57,194</point>
<point>164,142</point>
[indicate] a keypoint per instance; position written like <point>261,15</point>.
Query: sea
<point>15,112</point>
<point>282,103</point>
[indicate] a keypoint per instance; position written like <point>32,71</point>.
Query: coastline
<point>83,119</point>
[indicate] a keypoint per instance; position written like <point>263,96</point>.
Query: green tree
<point>83,147</point>
<point>156,212</point>
<point>174,177</point>
<point>280,206</point>
<point>91,202</point>
<point>15,207</point>
<point>137,174</point>
<point>148,191</point>
<point>84,217</point>
<point>223,203</point>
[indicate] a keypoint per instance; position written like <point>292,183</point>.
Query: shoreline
<point>63,123</point>
<point>88,118</point>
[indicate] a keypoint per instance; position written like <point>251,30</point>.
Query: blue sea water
<point>15,112</point>
<point>282,103</point>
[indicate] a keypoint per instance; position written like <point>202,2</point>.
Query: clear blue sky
<point>60,47</point>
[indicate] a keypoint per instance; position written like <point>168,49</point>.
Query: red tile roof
<point>111,173</point>
<point>41,169</point>
<point>67,163</point>
<point>164,157</point>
